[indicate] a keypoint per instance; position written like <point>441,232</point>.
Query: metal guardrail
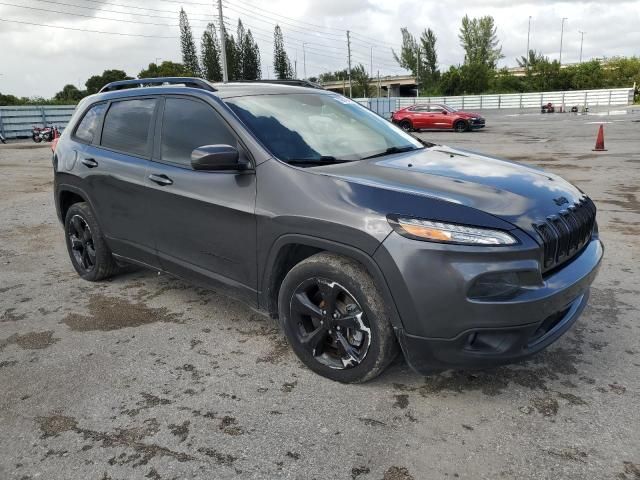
<point>17,121</point>
<point>570,98</point>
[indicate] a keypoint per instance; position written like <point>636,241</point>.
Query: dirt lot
<point>145,376</point>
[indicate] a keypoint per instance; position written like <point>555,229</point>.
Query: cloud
<point>40,60</point>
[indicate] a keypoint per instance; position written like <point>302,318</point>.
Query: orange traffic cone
<point>600,140</point>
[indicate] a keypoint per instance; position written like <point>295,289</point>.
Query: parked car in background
<point>436,116</point>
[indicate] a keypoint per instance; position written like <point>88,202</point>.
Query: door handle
<point>160,179</point>
<point>89,162</point>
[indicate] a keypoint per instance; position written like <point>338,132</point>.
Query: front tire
<point>460,126</point>
<point>335,319</point>
<point>88,251</point>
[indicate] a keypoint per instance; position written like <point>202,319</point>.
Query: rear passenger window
<point>127,126</point>
<point>189,124</point>
<point>87,128</point>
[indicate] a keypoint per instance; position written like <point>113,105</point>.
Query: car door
<point>204,221</point>
<point>441,118</point>
<point>419,118</point>
<point>113,156</point>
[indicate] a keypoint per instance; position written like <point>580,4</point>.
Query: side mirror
<point>444,112</point>
<point>216,157</point>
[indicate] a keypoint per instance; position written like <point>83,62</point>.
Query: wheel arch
<point>289,250</point>
<point>66,195</point>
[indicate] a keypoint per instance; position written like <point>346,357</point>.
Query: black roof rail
<point>296,83</point>
<point>143,82</point>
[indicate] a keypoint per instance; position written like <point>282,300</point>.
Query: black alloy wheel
<point>89,253</point>
<point>81,240</point>
<point>331,325</point>
<point>460,126</point>
<point>406,126</point>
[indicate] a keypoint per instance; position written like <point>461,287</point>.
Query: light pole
<point>581,41</point>
<point>304,60</point>
<point>526,61</point>
<point>561,35</point>
<point>371,64</point>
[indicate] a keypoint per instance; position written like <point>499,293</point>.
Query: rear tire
<point>88,251</point>
<point>335,319</point>
<point>406,126</point>
<point>460,126</point>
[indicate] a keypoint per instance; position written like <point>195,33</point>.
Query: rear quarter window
<point>88,126</point>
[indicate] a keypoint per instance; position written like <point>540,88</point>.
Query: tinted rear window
<point>127,126</point>
<point>88,127</point>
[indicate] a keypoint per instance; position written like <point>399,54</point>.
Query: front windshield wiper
<point>391,150</point>
<point>311,162</point>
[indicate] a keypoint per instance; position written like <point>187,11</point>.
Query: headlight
<point>433,231</point>
<point>474,118</point>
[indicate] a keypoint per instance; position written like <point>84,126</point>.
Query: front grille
<point>563,235</point>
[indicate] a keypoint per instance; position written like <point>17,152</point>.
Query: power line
<point>94,9</point>
<point>88,16</point>
<point>295,20</point>
<point>82,29</point>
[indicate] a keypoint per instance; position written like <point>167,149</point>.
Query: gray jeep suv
<point>361,239</point>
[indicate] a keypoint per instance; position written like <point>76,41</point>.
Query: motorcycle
<point>548,108</point>
<point>46,134</point>
<point>2,139</point>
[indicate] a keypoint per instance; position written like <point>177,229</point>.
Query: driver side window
<point>188,124</point>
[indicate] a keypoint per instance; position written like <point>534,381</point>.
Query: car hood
<point>518,194</point>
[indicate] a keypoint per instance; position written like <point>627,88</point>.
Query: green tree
<point>96,82</point>
<point>429,73</point>
<point>210,51</point>
<point>281,63</point>
<point>333,76</point>
<point>531,60</point>
<point>408,58</point>
<point>233,66</point>
<point>360,81</point>
<point>69,94</point>
<point>451,81</point>
<point>251,69</point>
<point>165,69</point>
<point>188,46</point>
<point>478,37</point>
<point>241,33</point>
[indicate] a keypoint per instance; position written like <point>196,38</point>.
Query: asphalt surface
<point>144,376</point>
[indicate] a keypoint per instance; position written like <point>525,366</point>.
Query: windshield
<point>310,129</point>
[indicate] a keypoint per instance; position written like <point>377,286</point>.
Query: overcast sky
<point>39,61</point>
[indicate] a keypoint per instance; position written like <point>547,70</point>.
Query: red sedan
<point>437,117</point>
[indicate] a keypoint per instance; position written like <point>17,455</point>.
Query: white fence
<point>17,121</point>
<point>615,96</point>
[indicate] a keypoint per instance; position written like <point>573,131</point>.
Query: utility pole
<point>561,35</point>
<point>418,73</point>
<point>349,53</point>
<point>304,60</point>
<point>223,43</point>
<point>581,41</point>
<point>526,61</point>
<point>371,64</point>
<point>378,83</point>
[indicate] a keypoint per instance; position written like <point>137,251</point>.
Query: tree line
<point>477,74</point>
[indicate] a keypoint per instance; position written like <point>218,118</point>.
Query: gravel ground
<point>144,376</point>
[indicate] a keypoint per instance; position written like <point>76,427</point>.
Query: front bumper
<point>443,328</point>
